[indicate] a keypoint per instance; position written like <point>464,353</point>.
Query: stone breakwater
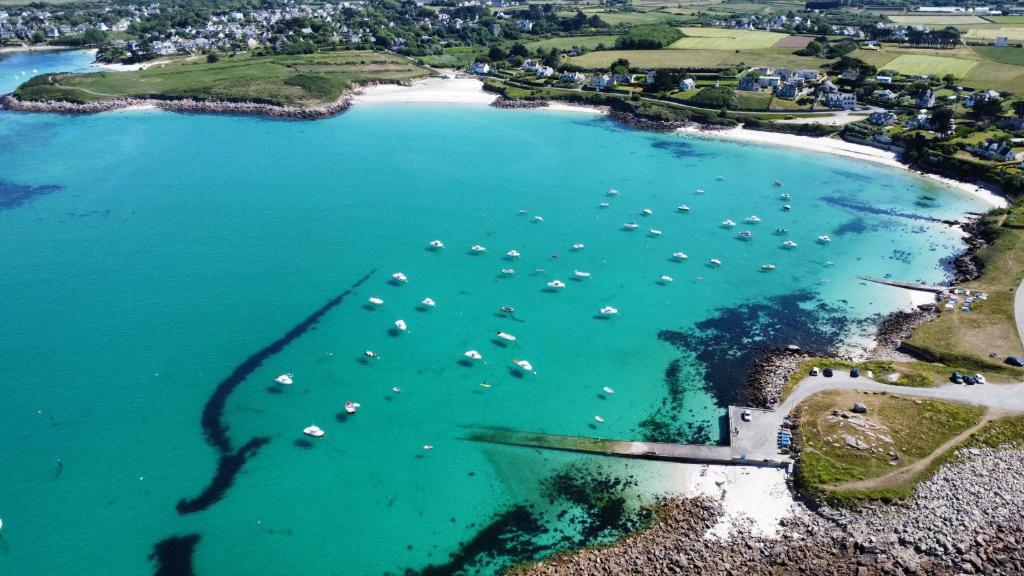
<point>965,520</point>
<point>967,266</point>
<point>188,105</point>
<point>895,328</point>
<point>770,373</point>
<point>503,102</point>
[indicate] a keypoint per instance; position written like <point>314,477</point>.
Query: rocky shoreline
<point>503,102</point>
<point>967,519</point>
<point>187,105</point>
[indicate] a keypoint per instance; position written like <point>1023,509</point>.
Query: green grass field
<point>726,39</point>
<point>567,42</point>
<point>971,66</point>
<point>1014,56</point>
<point>672,58</point>
<point>1005,19</point>
<point>308,80</point>
<point>929,65</point>
<point>937,19</point>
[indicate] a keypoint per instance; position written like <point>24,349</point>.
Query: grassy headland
<point>305,80</point>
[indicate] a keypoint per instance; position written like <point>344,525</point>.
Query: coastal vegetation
<point>301,80</point>
<point>846,457</point>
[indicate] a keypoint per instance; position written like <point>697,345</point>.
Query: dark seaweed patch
<point>174,555</point>
<point>855,226</point>
<point>728,343</point>
<point>228,467</point>
<point>600,496</point>
<point>869,209</point>
<point>13,195</point>
<point>679,148</point>
<point>850,175</point>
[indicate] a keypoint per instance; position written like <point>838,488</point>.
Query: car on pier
<point>1014,361</point>
<point>827,372</point>
<point>854,372</point>
<point>814,371</point>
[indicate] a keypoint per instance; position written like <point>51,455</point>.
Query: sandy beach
<point>40,48</point>
<point>432,90</point>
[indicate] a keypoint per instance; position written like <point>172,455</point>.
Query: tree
<point>620,66</point>
<point>665,81</point>
<point>519,50</point>
<point>552,58</point>
<point>212,58</point>
<point>987,108</point>
<point>942,120</point>
<point>496,54</point>
<point>949,79</point>
<point>813,48</point>
<point>1018,108</point>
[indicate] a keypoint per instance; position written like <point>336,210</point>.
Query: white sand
<point>754,498</point>
<point>432,90</point>
<point>840,147</point>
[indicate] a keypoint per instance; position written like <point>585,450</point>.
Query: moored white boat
<point>538,219</point>
<point>753,219</point>
<point>683,208</point>
<point>789,244</point>
<point>523,364</point>
<point>313,431</point>
<point>370,354</point>
<point>630,225</point>
<point>284,379</point>
<point>646,212</point>
<point>679,256</point>
<point>746,235</point>
<point>787,207</point>
<point>478,249</point>
<point>578,246</point>
<point>654,232</point>
<point>580,274</point>
<point>608,390</point>
<point>612,192</point>
<point>506,336</point>
<point>351,407</point>
<point>598,418</point>
<point>715,262</point>
<point>609,311</point>
<point>699,191</point>
<point>604,205</point>
<point>785,196</point>
<point>556,285</point>
<point>728,223</point>
<point>767,266</point>
<point>508,271</point>
<point>512,254</point>
<point>375,300</point>
<point>399,277</point>
<point>429,302</point>
<point>400,324</point>
<point>824,239</point>
<point>472,355</point>
<point>436,244</point>
<point>665,279</point>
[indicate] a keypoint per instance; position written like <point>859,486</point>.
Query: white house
<point>769,81</point>
<point>601,82</point>
<point>982,96</point>
<point>841,100</point>
<point>686,84</point>
<point>545,72</point>
<point>531,65</point>
<point>883,79</point>
<point>480,68</point>
<point>572,77</point>
<point>885,95</point>
<point>1001,41</point>
<point>649,76</point>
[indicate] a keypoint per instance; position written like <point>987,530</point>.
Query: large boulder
<point>860,408</point>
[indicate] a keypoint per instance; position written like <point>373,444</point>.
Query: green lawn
<point>1005,19</point>
<point>671,58</point>
<point>458,57</point>
<point>1014,56</point>
<point>307,80</point>
<point>567,42</point>
<point>726,39</point>
<point>631,18</point>
<point>929,65</point>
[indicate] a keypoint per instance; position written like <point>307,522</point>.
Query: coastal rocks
<point>770,373</point>
<point>897,327</point>
<point>502,102</point>
<point>187,105</point>
<point>967,266</point>
<point>635,121</point>
<point>859,408</point>
<point>967,519</point>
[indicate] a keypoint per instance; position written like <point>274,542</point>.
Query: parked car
<point>827,372</point>
<point>969,380</point>
<point>745,415</point>
<point>957,378</point>
<point>1014,361</point>
<point>855,372</point>
<point>814,371</point>
<point>980,379</point>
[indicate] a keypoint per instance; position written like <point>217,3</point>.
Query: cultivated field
<point>937,19</point>
<point>671,58</point>
<point>1013,56</point>
<point>1014,34</point>
<point>930,65</point>
<point>726,39</point>
<point>1005,19</point>
<point>308,80</point>
<point>969,65</point>
<point>567,42</point>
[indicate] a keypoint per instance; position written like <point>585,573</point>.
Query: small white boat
<point>824,239</point>
<point>767,266</point>
<point>556,285</point>
<point>284,379</point>
<point>508,271</point>
<point>523,212</point>
<point>654,232</point>
<point>429,302</point>
<point>646,212</point>
<point>699,191</point>
<point>478,249</point>
<point>603,205</point>
<point>428,447</point>
<point>753,219</point>
<point>400,324</point>
<point>399,277</point>
<point>630,225</point>
<point>507,309</point>
<point>396,390</point>
<point>665,279</point>
<point>829,263</point>
<point>728,223</point>
<point>613,192</point>
<point>715,262</point>
<point>580,274</point>
<point>370,354</point>
<point>789,244</point>
<point>512,254</point>
<point>472,355</point>
<point>351,407</point>
<point>683,208</point>
<point>746,235</point>
<point>609,311</point>
<point>506,336</point>
<point>376,301</point>
<point>436,244</point>
<point>679,255</point>
<point>313,430</point>
<point>785,197</point>
<point>781,231</point>
<point>538,219</point>
<point>787,207</point>
<point>778,183</point>
<point>608,390</point>
<point>524,364</point>
<point>598,418</point>
<point>578,246</point>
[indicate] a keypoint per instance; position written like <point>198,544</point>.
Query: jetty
<point>907,285</point>
<point>751,443</point>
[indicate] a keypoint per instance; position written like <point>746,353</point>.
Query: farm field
<point>1005,19</point>
<point>726,39</point>
<point>1013,56</point>
<point>937,19</point>
<point>567,42</point>
<point>673,58</point>
<point>1014,34</point>
<point>971,66</point>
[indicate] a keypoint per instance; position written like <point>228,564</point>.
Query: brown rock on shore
<point>10,102</point>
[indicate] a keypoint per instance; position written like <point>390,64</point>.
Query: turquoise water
<point>176,246</point>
